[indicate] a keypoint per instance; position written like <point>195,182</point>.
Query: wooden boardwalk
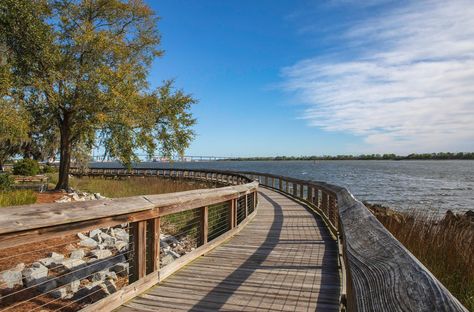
<point>283,260</point>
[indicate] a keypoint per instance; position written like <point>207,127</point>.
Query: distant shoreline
<point>433,156</point>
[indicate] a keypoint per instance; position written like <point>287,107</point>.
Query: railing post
<point>138,233</point>
<point>232,214</point>
<point>255,199</point>
<point>301,191</point>
<point>294,189</point>
<point>266,180</point>
<point>246,205</point>
<point>204,225</point>
<point>280,184</point>
<point>316,197</point>
<point>153,243</point>
<point>287,187</point>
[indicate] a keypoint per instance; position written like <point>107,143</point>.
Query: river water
<point>434,186</point>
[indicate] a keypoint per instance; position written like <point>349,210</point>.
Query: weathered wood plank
<point>281,261</point>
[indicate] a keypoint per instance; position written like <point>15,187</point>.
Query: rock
<point>13,277</point>
<point>101,254</point>
<point>107,240</point>
<point>174,254</point>
<point>59,293</point>
<point>35,274</point>
<point>88,290</point>
<point>82,236</point>
<point>121,245</point>
<point>73,263</point>
<point>88,242</point>
<point>121,269</point>
<point>64,199</point>
<point>111,275</point>
<point>95,234</point>
<point>98,276</point>
<point>170,240</point>
<point>94,265</point>
<point>74,286</point>
<point>109,286</point>
<point>47,285</point>
<point>98,196</point>
<point>76,197</point>
<point>53,260</point>
<point>121,234</point>
<point>77,254</point>
<point>167,259</point>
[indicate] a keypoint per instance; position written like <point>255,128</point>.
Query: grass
<point>17,197</point>
<point>444,246</point>
<point>134,186</point>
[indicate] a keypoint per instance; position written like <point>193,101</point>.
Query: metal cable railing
<point>80,255</point>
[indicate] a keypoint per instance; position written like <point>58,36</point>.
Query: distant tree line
<point>425,156</point>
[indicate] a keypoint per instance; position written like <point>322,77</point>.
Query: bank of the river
<point>429,185</point>
<point>443,245</point>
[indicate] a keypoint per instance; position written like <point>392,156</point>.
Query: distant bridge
<point>160,158</point>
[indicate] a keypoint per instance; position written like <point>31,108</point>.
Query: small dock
<point>283,260</point>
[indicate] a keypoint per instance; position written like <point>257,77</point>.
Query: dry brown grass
<point>135,186</point>
<point>445,246</point>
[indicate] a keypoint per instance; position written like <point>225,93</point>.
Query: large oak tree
<point>81,69</point>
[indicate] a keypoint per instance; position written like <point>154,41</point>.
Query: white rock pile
<point>91,268</point>
<point>73,195</point>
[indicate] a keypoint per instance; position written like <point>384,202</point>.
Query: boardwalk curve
<point>283,260</point>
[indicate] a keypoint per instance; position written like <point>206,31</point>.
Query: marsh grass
<point>17,197</point>
<point>445,246</point>
<point>135,186</point>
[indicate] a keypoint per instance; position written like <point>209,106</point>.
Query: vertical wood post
<point>232,214</point>
<point>246,205</point>
<point>309,194</point>
<point>316,197</point>
<point>266,181</point>
<point>301,191</point>
<point>287,187</point>
<point>204,225</point>
<point>295,189</point>
<point>138,232</point>
<point>255,199</point>
<point>153,244</point>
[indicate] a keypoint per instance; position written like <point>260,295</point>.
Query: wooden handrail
<point>144,215</point>
<point>379,273</point>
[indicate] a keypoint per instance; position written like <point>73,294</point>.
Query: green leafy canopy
<point>81,67</point>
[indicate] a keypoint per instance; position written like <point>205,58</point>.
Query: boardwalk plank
<point>284,260</point>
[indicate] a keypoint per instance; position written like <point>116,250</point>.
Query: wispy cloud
<point>406,84</point>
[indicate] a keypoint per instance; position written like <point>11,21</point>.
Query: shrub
<point>26,167</point>
<point>48,169</point>
<point>5,182</point>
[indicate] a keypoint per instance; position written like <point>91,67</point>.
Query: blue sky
<point>322,77</point>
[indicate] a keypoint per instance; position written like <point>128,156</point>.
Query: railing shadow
<point>241,274</point>
<point>329,283</point>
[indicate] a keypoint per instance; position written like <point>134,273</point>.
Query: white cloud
<point>408,85</point>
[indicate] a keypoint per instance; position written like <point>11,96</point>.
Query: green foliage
<point>48,169</point>
<point>5,182</point>
<point>26,167</point>
<point>17,197</point>
<point>81,69</point>
<point>434,156</point>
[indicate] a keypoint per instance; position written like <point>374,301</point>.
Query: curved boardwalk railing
<point>101,253</point>
<point>379,273</point>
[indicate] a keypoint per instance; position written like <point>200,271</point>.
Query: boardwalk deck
<point>284,260</point>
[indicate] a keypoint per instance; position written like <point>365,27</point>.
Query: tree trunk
<point>65,154</point>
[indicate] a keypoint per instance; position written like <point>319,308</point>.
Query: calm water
<point>433,185</point>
